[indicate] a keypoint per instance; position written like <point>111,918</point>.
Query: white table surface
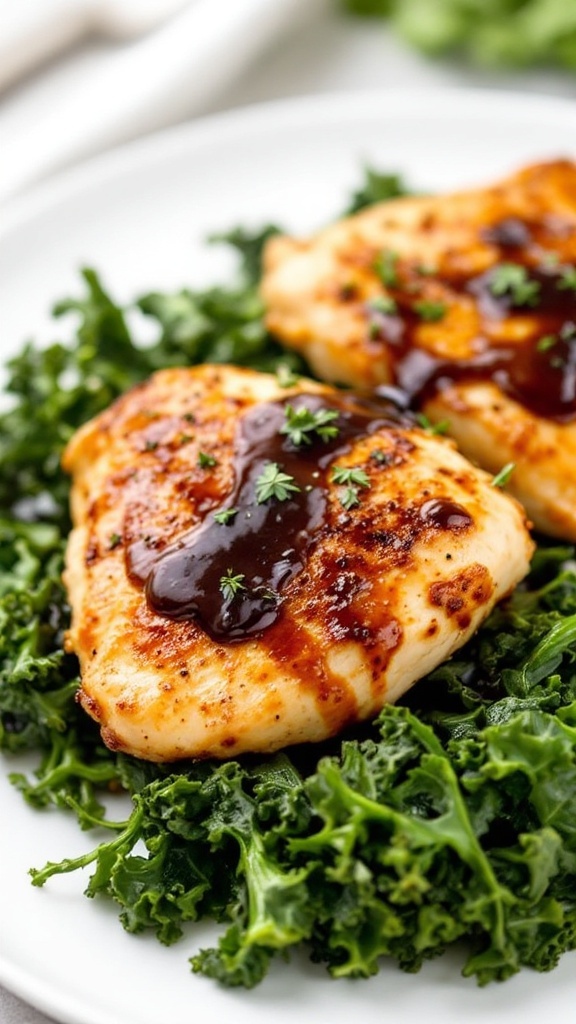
<point>326,51</point>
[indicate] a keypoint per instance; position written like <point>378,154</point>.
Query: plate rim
<point>18,208</point>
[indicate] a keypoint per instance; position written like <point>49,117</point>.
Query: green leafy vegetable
<point>377,188</point>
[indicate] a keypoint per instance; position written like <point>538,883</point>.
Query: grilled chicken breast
<point>466,304</point>
<point>254,566</point>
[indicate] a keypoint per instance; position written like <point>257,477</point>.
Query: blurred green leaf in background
<point>492,33</point>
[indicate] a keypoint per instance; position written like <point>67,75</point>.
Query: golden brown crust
<point>373,608</point>
<point>317,293</point>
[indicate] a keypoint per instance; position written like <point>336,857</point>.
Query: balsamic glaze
<point>538,371</point>
<point>447,515</point>
<point>265,544</point>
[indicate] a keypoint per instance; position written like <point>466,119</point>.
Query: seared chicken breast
<point>466,305</point>
<point>253,566</point>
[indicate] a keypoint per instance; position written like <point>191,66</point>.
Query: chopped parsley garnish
<point>513,279</point>
<point>302,423</point>
<point>567,279</point>
<point>381,458</point>
<point>349,497</point>
<point>114,541</point>
<point>385,266</point>
<point>547,342</point>
<point>206,461</point>
<point>225,516</point>
<point>352,475</point>
<point>502,478</point>
<point>429,311</point>
<point>274,483</point>
<point>384,304</point>
<point>231,585</point>
<point>436,429</point>
<point>353,478</point>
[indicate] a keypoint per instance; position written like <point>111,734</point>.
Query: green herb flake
<point>381,458</point>
<point>547,342</point>
<point>384,304</point>
<point>302,424</point>
<point>349,497</point>
<point>567,279</point>
<point>114,541</point>
<point>231,585</point>
<point>274,483</point>
<point>435,429</point>
<point>225,516</point>
<point>502,478</point>
<point>350,475</point>
<point>386,267</point>
<point>514,280</point>
<point>429,311</point>
<point>206,461</point>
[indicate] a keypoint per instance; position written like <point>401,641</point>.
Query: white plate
<point>140,216</point>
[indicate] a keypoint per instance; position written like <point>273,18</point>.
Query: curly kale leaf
<point>397,848</point>
<point>377,187</point>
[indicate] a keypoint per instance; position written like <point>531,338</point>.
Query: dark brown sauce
<point>447,515</point>
<point>263,544</point>
<point>539,371</point>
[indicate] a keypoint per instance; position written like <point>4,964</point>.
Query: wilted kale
<point>377,187</point>
<point>452,817</point>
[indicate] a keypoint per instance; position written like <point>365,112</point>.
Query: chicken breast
<point>464,303</point>
<point>254,566</point>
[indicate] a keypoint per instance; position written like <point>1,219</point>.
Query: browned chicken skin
<point>219,606</point>
<point>467,304</point>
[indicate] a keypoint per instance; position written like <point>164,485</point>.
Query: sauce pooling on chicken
<point>228,573</point>
<point>537,369</point>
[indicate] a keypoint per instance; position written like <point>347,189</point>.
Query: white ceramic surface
<point>140,216</point>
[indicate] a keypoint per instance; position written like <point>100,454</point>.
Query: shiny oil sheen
<point>542,378</point>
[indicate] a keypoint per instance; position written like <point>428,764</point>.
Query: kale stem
<point>125,841</point>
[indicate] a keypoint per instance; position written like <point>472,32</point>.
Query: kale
<point>377,187</point>
<point>503,33</point>
<point>452,817</point>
